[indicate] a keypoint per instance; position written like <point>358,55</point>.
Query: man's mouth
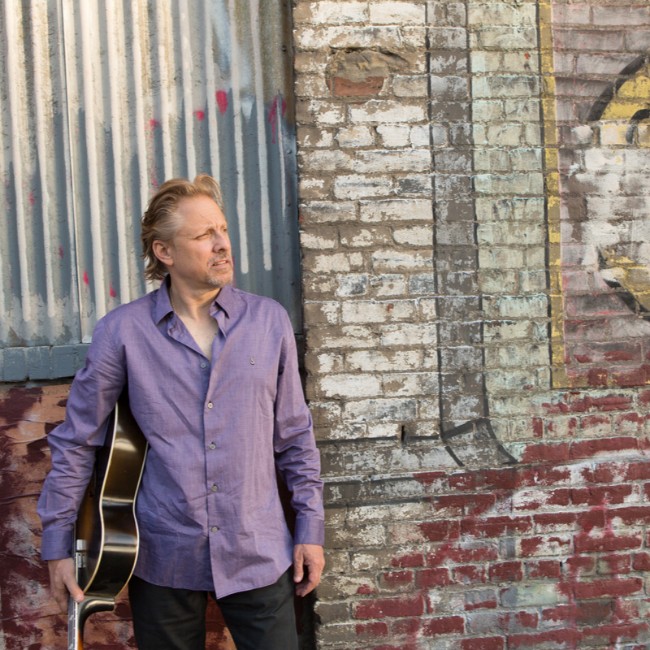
<point>218,263</point>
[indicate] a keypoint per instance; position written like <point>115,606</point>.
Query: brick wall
<point>476,348</point>
<point>481,494</point>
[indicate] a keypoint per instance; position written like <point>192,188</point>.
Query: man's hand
<point>308,565</point>
<point>63,582</point>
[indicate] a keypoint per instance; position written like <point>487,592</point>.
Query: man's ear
<point>161,251</point>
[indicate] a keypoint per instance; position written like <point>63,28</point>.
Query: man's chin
<point>220,282</point>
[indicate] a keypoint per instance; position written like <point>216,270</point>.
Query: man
<point>213,383</point>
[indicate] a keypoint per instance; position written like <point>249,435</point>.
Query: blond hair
<point>160,221</point>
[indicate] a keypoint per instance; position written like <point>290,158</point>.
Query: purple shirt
<point>209,510</point>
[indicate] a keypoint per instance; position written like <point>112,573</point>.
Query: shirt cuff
<point>310,531</point>
<point>57,544</point>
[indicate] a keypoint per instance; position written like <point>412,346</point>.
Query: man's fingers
<point>63,583</point>
<point>309,561</point>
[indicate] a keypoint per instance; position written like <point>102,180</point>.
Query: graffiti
<point>602,295</point>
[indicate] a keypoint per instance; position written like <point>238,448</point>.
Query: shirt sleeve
<point>73,443</point>
<point>297,457</point>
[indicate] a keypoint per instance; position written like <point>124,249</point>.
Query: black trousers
<point>174,619</point>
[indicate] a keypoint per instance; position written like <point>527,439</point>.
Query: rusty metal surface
<point>103,100</point>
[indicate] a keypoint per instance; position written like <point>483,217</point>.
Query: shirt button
<point>212,445</point>
<point>204,364</point>
<point>210,405</point>
<point>214,487</point>
<point>214,529</point>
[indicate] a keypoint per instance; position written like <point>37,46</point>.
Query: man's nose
<point>221,241</point>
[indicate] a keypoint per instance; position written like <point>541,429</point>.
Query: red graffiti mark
<point>32,198</point>
<point>273,115</point>
<point>86,279</point>
<point>61,252</point>
<point>153,124</point>
<point>222,100</point>
<point>112,292</point>
<point>200,115</point>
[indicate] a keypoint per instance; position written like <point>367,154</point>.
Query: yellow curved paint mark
<point>632,96</point>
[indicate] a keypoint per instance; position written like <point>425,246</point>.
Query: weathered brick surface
<point>476,377</point>
<point>436,328</point>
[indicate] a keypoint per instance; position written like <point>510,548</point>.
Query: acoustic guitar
<point>106,533</point>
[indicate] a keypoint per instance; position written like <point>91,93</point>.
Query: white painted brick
<point>323,312</point>
<point>381,161</point>
<point>397,210</point>
<point>488,110</point>
<point>500,257</point>
<point>504,86</point>
<point>355,136</point>
<point>498,281</point>
<point>377,312</point>
<point>385,361</point>
<point>523,109</point>
<point>394,135</point>
<point>385,285</point>
<point>326,363</point>
<point>391,260</point>
<point>315,137</point>
<point>411,86</point>
<point>326,160</point>
<point>373,410</point>
<point>310,62</point>
<point>414,236</point>
<point>330,12</point>
<point>483,61</point>
<point>318,240</point>
<point>522,306</point>
<point>316,111</point>
<point>400,13</point>
<point>311,86</point>
<point>348,337</point>
<point>411,383</point>
<point>357,187</point>
<point>313,188</point>
<point>420,136</point>
<point>382,111</point>
<point>318,38</point>
<point>518,355</point>
<point>352,284</point>
<point>499,135</point>
<point>350,386</point>
<point>502,13</point>
<point>356,237</point>
<point>412,334</point>
<point>501,233</point>
<point>327,211</point>
<point>515,183</point>
<point>522,38</point>
<point>335,262</point>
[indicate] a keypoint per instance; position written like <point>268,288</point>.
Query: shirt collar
<point>225,300</point>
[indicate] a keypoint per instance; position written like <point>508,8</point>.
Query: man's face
<point>200,251</point>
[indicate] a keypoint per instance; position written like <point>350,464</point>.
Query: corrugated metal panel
<point>103,100</point>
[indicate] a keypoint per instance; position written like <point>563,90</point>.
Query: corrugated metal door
<point>103,100</point>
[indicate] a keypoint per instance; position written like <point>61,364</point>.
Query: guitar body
<point>106,534</point>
